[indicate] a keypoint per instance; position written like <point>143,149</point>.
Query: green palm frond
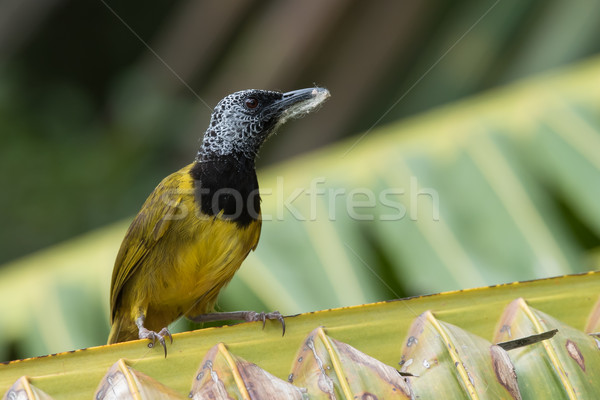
<point>411,348</point>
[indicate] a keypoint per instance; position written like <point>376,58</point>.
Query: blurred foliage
<point>514,172</point>
<point>65,171</point>
<point>92,119</point>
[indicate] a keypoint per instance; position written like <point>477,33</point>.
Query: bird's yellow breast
<point>174,259</point>
<point>200,257</point>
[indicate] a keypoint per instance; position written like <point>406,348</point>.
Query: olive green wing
<point>148,227</point>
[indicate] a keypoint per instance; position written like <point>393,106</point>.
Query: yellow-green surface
<point>328,368</point>
<point>567,366</point>
<point>378,330</point>
<point>222,374</point>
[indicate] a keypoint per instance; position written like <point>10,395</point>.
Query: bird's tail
<point>113,336</point>
<point>119,332</point>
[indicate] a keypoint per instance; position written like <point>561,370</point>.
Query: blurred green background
<point>101,100</point>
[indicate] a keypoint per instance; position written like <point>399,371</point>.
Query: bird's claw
<point>253,316</point>
<point>160,336</point>
<point>165,332</point>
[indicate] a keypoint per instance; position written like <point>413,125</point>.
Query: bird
<point>199,224</point>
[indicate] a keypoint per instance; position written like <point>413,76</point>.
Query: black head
<point>242,121</point>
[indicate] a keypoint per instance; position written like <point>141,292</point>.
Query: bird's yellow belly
<point>195,266</point>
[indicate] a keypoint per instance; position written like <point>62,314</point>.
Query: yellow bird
<point>200,223</point>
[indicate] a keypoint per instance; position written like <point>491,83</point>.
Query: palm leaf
<point>357,351</point>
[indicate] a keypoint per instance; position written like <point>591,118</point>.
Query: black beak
<point>296,96</point>
<point>290,99</point>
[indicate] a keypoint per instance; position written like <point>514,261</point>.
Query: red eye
<point>251,102</point>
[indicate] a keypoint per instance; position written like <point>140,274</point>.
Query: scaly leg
<point>249,316</point>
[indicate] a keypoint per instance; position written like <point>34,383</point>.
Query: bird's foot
<point>249,316</point>
<point>153,336</point>
<point>253,316</point>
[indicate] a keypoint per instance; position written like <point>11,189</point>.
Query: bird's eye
<point>251,102</point>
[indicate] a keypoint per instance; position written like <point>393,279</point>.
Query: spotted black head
<point>242,121</point>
